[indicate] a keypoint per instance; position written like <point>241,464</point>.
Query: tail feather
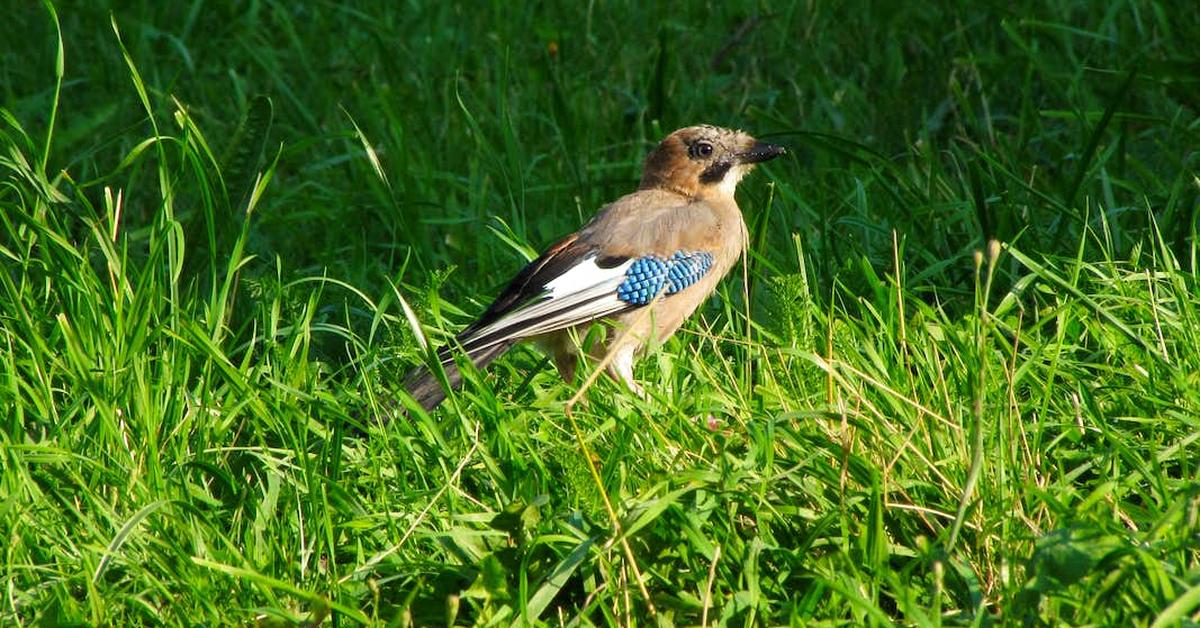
<point>428,391</point>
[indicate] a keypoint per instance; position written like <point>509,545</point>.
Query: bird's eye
<point>700,150</point>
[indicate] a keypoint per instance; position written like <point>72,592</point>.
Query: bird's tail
<point>428,391</point>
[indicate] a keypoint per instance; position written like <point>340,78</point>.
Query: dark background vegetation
<point>537,114</point>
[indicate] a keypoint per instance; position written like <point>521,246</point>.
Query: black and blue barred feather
<point>650,275</point>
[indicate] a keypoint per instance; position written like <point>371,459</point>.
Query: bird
<point>664,246</point>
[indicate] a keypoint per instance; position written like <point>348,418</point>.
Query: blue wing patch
<point>649,275</point>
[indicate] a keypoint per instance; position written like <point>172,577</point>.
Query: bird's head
<point>701,161</point>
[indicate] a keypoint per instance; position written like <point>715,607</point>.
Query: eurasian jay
<point>664,246</point>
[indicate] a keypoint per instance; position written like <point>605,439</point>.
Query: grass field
<point>956,381</point>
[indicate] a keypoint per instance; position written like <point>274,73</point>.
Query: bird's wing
<point>569,285</point>
<point>576,281</point>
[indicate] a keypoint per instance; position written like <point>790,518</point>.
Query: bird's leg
<point>563,349</point>
<point>565,362</point>
<point>621,369</point>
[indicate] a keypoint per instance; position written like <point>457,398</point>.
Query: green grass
<point>212,217</point>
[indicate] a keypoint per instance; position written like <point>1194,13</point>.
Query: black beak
<point>760,152</point>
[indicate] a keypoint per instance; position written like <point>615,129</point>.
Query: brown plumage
<point>682,226</point>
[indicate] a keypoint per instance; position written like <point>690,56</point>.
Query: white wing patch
<point>584,293</point>
<point>586,274</point>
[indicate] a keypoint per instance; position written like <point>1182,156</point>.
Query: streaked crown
<point>703,160</point>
